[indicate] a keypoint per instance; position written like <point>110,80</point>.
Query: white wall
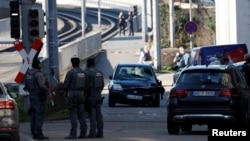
<point>232,22</point>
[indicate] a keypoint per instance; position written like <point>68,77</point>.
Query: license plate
<point>134,97</point>
<point>203,93</point>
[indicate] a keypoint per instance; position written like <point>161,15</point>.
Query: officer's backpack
<point>80,79</point>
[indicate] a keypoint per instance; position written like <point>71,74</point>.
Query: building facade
<point>232,22</point>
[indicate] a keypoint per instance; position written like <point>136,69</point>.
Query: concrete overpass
<point>83,47</point>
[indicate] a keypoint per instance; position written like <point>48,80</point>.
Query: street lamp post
<point>144,21</point>
<point>156,35</point>
<point>190,19</point>
<point>83,17</point>
<point>99,13</point>
<point>171,21</point>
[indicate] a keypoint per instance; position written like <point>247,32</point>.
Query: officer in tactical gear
<point>246,68</point>
<point>35,84</point>
<point>94,99</point>
<point>74,85</point>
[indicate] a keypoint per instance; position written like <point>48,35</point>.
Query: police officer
<point>246,68</point>
<point>35,84</point>
<point>74,85</point>
<point>94,99</point>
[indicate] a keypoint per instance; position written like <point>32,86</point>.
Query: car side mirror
<point>175,67</point>
<point>159,82</point>
<point>110,77</point>
<point>13,94</point>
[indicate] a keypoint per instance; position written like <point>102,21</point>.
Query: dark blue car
<point>135,84</point>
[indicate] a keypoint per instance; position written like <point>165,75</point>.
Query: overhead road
<point>90,45</point>
<point>108,29</point>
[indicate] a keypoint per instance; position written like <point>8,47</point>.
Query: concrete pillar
<point>156,35</point>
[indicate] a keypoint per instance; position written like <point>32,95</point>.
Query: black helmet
<point>36,64</point>
<point>90,62</point>
<point>75,61</point>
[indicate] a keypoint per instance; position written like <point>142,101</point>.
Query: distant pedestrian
<point>130,23</point>
<point>35,84</point>
<point>94,99</point>
<point>216,59</point>
<point>122,23</point>
<point>226,61</point>
<point>145,56</point>
<point>246,69</point>
<point>74,86</point>
<point>180,59</point>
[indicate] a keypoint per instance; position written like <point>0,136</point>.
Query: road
<point>124,122</point>
<point>121,123</point>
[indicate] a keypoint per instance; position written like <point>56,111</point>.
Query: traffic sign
<point>191,27</point>
<point>27,58</point>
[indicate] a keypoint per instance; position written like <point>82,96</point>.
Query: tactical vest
<point>80,79</point>
<point>96,79</point>
<point>31,81</point>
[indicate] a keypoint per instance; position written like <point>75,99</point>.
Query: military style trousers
<point>37,114</point>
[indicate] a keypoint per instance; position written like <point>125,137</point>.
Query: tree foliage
<point>203,16</point>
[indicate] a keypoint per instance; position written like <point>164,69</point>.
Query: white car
<point>9,115</point>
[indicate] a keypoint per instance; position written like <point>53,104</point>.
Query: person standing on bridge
<point>74,87</point>
<point>122,23</point>
<point>130,23</point>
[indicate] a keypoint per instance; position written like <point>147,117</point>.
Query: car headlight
<point>117,87</point>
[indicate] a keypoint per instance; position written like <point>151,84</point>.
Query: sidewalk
<point>125,49</point>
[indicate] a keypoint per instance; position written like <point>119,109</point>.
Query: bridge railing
<point>84,47</point>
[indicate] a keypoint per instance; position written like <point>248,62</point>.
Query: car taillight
<point>8,104</point>
<point>178,93</point>
<point>229,92</point>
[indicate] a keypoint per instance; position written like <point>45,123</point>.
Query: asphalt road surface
<point>124,122</point>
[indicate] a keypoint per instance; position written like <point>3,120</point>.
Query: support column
<point>156,35</point>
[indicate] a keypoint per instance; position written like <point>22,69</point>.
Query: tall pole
<point>156,35</point>
<point>83,17</point>
<point>144,21</point>
<point>171,23</point>
<point>44,51</point>
<point>190,19</point>
<point>25,6</point>
<point>99,13</point>
<point>52,41</point>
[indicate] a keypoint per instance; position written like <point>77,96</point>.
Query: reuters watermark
<point>214,134</point>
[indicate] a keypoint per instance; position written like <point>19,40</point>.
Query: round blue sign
<point>191,27</point>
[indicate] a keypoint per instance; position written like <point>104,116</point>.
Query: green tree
<point>204,17</point>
